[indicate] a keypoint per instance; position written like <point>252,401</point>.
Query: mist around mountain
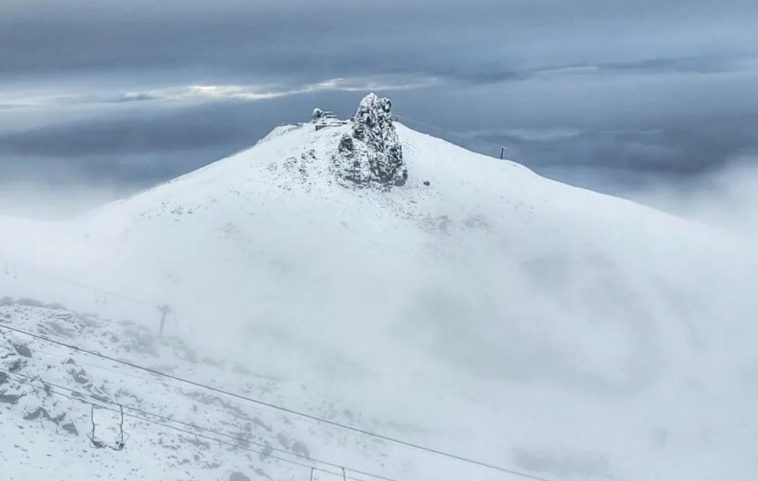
<point>362,272</point>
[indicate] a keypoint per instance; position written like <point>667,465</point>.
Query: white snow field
<point>478,309</point>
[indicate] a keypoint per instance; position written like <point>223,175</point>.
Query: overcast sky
<point>611,94</point>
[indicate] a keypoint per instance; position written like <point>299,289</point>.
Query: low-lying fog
<point>565,333</point>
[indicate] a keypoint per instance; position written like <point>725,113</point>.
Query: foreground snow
<point>492,313</point>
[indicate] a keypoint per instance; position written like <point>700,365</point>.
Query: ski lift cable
<point>183,431</point>
<point>121,407</point>
<point>284,409</point>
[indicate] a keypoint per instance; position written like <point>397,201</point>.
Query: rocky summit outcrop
<point>371,154</point>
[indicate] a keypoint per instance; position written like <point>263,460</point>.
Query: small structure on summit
<point>371,154</point>
<point>323,118</point>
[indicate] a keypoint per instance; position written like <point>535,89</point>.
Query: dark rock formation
<point>371,154</point>
<point>237,476</point>
<point>22,350</point>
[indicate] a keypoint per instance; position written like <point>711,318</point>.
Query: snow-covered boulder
<point>371,153</point>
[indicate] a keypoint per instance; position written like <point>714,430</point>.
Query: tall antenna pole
<point>164,309</point>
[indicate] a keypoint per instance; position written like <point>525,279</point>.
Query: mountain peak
<point>371,154</point>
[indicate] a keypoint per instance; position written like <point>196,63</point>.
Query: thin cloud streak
<point>206,92</point>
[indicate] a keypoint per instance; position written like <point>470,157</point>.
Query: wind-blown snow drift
<point>478,307</point>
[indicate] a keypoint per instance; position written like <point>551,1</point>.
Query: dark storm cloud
<point>693,64</point>
<point>159,128</point>
<point>336,38</point>
<point>153,131</point>
<point>680,149</point>
<point>311,40</point>
<point>146,144</point>
<point>647,87</point>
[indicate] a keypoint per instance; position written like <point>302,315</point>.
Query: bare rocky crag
<point>371,154</point>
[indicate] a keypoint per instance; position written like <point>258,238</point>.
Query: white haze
<point>494,313</point>
<point>55,202</point>
<point>726,198</point>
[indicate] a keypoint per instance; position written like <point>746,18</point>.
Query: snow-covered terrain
<point>473,307</point>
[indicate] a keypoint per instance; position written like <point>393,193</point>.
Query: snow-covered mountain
<point>370,274</point>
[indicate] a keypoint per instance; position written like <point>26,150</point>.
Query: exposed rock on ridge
<point>371,155</point>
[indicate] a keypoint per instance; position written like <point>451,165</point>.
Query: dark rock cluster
<point>371,154</point>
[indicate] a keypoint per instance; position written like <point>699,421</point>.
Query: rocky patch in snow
<point>371,154</point>
<point>52,394</point>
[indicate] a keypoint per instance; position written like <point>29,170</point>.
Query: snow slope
<point>491,313</point>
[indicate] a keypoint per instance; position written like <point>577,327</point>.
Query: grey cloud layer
<point>318,39</point>
<point>648,86</point>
